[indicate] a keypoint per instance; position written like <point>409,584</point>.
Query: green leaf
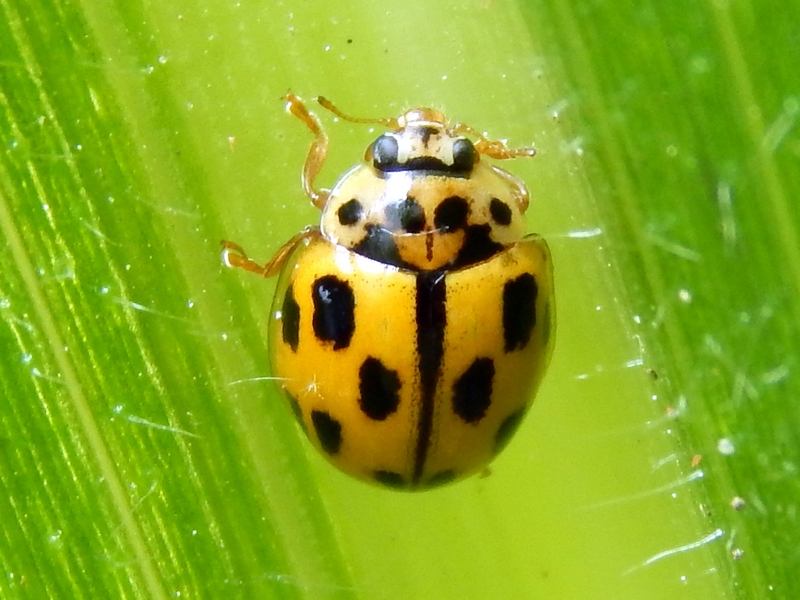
<point>691,140</point>
<point>144,451</point>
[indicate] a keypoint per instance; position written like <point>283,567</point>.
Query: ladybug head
<point>422,141</point>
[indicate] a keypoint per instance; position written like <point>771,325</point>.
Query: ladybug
<point>412,328</point>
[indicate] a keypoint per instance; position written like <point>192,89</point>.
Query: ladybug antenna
<point>325,103</point>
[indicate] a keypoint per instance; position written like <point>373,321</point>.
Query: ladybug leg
<point>316,152</point>
<point>492,148</point>
<point>325,103</point>
<point>499,150</point>
<point>233,255</point>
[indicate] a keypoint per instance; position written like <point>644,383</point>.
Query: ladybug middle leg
<point>316,152</point>
<point>233,255</point>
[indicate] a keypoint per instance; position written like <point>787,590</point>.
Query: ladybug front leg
<point>499,150</point>
<point>496,149</point>
<point>233,255</point>
<point>316,153</point>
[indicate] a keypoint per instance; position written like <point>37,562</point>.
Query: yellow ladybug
<point>411,330</point>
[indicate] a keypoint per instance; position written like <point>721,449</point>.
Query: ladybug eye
<point>384,153</point>
<point>464,155</point>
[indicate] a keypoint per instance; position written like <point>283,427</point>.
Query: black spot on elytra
<point>451,213</point>
<point>334,311</point>
<point>298,412</point>
<point>519,311</point>
<point>507,429</point>
<point>290,320</point>
<point>441,478</point>
<point>500,211</point>
<point>328,430</point>
<point>406,215</point>
<point>472,392</point>
<point>379,387</point>
<point>547,325</point>
<point>350,212</point>
<point>478,246</point>
<point>379,245</point>
<point>463,154</point>
<point>389,479</point>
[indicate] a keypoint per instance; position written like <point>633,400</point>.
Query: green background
<point>144,453</point>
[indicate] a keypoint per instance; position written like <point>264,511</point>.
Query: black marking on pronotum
<point>500,211</point>
<point>379,244</point>
<point>405,215</point>
<point>478,246</point>
<point>350,212</point>
<point>451,213</point>
<point>431,320</point>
